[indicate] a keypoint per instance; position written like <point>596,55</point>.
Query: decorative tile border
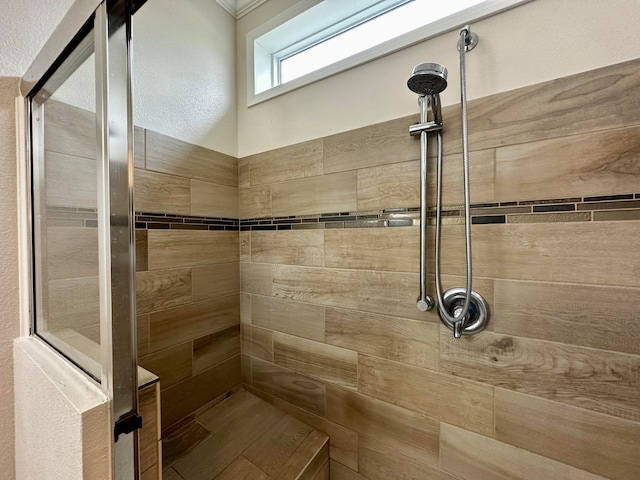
<point>577,209</point>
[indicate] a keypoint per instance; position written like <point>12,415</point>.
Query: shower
<point>461,309</point>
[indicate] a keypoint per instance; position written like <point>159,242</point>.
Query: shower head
<point>428,79</point>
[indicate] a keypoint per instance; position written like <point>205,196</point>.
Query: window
<point>318,38</point>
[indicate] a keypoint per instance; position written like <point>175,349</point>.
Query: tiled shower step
<point>249,439</point>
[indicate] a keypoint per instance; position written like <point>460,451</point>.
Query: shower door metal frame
<point>103,26</point>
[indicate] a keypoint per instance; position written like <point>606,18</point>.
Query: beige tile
<point>255,202</point>
<point>379,144</point>
<point>142,251</point>
<point>173,248</point>
<point>70,130</point>
<point>386,293</point>
<point>259,343</point>
<point>590,441</point>
<point>579,376</point>
<point>71,181</point>
<point>215,348</point>
<point>379,462</point>
<point>160,193</point>
<point>412,387</point>
<point>597,163</point>
<point>142,322</point>
<point>295,318</point>
<point>474,457</point>
<point>181,324</point>
<point>616,215</point>
<point>170,155</point>
<point>211,200</point>
<point>246,370</point>
<point>571,105</point>
<point>323,194</point>
<point>324,473</point>
<point>292,247</point>
<point>550,217</point>
<point>407,432</point>
<point>183,439</point>
<point>319,360</point>
<point>186,397</point>
<point>241,469</point>
<point>295,388</point>
<point>211,281</point>
<point>171,474</point>
<point>274,447</point>
<point>245,246</point>
<point>581,252</point>
<point>308,460</point>
<point>394,249</point>
<point>149,435</point>
<point>245,309</point>
<point>172,365</point>
<point>287,163</point>
<point>573,314</point>
<point>244,177</point>
<point>72,303</point>
<point>389,186</point>
<point>162,289</point>
<point>256,278</point>
<point>71,252</point>
<point>399,339</point>
<point>340,472</point>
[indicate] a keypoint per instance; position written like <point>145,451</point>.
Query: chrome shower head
<point>428,79</point>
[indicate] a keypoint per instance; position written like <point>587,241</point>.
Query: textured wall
<point>9,311</point>
<point>329,324</point>
<point>536,42</point>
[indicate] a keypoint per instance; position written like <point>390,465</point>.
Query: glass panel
<point>65,219</point>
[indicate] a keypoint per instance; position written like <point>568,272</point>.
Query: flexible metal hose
<point>461,314</point>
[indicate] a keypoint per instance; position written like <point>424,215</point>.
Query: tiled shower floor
<point>247,438</point>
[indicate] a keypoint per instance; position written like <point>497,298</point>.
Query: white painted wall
<point>533,43</point>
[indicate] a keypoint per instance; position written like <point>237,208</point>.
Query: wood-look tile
<point>153,473</point>
<point>387,293</point>
<point>474,457</point>
<point>142,251</point>
<point>245,246</point>
<point>576,104</point>
<point>322,194</point>
<point>292,387</point>
<point>162,289</point>
<point>598,443</point>
<point>170,155</point>
<point>216,453</point>
<point>287,163</point>
<point>581,252</point>
<point>211,281</point>
<point>71,252</point>
<point>172,365</point>
<point>71,181</point>
<point>174,248</point>
<point>246,369</point>
<point>596,163</point>
<point>232,408</point>
<point>389,186</point>
<point>324,473</point>
<point>180,441</point>
<point>319,360</point>
<point>142,323</point>
<point>405,431</point>
<point>241,469</point>
<point>215,348</point>
<point>149,435</point>
<point>170,474</point>
<point>211,200</point>
<point>588,320</point>
<point>307,460</point>
<point>295,318</point>
<point>408,341</point>
<point>244,177</point>
<point>616,215</point>
<point>245,309</point>
<point>296,247</point>
<point>186,397</point>
<point>274,447</point>
<point>256,278</point>
<point>340,472</point>
<point>598,380</point>
<point>379,144</point>
<point>160,193</point>
<point>395,249</point>
<point>379,462</point>
<point>73,303</point>
<point>181,324</point>
<point>259,343</point>
<point>412,387</point>
<point>255,202</point>
<point>70,130</point>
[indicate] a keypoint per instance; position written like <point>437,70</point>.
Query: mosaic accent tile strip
<point>584,209</point>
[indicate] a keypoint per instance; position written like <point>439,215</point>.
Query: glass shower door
<point>78,95</point>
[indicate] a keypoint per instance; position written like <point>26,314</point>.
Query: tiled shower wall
<point>331,333</point>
